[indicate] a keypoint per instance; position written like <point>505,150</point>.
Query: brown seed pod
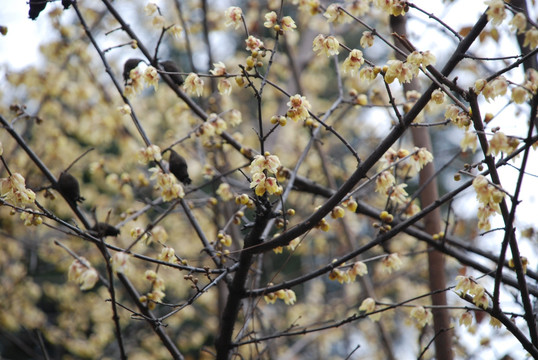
<point>102,229</point>
<point>129,65</point>
<point>171,67</point>
<point>68,186</point>
<point>178,167</point>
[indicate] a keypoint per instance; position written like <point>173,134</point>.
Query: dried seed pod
<point>102,229</point>
<point>69,187</point>
<point>36,6</point>
<point>178,167</point>
<point>129,65</point>
<point>171,67</point>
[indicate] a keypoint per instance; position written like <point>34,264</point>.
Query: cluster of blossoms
<point>497,13</point>
<point>140,77</point>
<point>459,117</point>
<point>491,89</point>
<point>214,125</point>
<point>31,218</point>
<point>139,232</point>
<point>346,276</point>
<point>193,85</point>
<point>287,295</point>
<point>157,290</point>
<point>489,197</point>
<point>14,191</point>
<point>83,274</point>
<point>369,305</point>
<point>406,71</point>
<point>298,108</point>
<point>168,184</point>
<point>422,316</point>
<point>327,45</point>
<point>151,153</point>
<point>471,287</point>
<point>261,183</point>
<point>286,23</point>
<point>224,85</point>
<point>392,7</point>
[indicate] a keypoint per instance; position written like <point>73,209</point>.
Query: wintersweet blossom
<point>384,182</point>
<point>151,153</point>
<point>225,192</point>
<point>421,157</point>
<point>496,11</point>
<point>466,319</point>
<point>224,86</point>
<point>170,188</point>
<point>531,38</point>
<point>518,22</point>
<point>469,141</point>
<point>120,262</point>
<point>271,19</point>
<point>368,305</point>
<point>299,107</point>
<point>422,316</point>
<point>268,162</point>
<point>398,194</point>
<point>176,31</point>
<point>168,254</point>
<point>151,77</point>
<point>219,69</point>
<point>494,88</point>
<point>233,16</point>
<point>13,190</point>
<point>194,85</point>
<point>326,44</point>
<point>253,43</point>
<point>392,262</point>
<point>335,14</point>
<point>353,62</point>
<point>367,39</point>
<point>438,96</point>
<point>83,273</point>
<point>519,95</point>
<point>288,24</point>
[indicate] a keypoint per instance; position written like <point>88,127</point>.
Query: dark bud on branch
<point>102,230</point>
<point>36,6</point>
<point>129,65</point>
<point>171,67</point>
<point>69,188</point>
<point>178,167</point>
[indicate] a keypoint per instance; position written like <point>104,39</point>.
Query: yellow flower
<point>519,95</point>
<point>13,189</point>
<point>392,262</point>
<point>288,24</point>
<point>466,319</point>
<point>194,85</point>
<point>438,96</point>
<point>531,38</point>
<point>299,107</point>
<point>219,69</point>
<point>518,22</point>
<point>368,305</point>
<point>334,14</point>
<point>326,44</point>
<point>233,16</point>
<point>384,182</point>
<point>120,262</point>
<point>464,283</point>
<point>224,86</point>
<point>353,62</point>
<point>496,11</point>
<point>150,9</point>
<point>168,254</point>
<point>469,141</point>
<point>367,39</point>
<point>270,19</point>
<point>421,315</point>
<point>176,31</point>
<point>253,43</point>
<point>268,162</point>
<point>151,77</point>
<point>421,157</point>
<point>398,194</point>
<point>225,192</point>
<point>494,88</point>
